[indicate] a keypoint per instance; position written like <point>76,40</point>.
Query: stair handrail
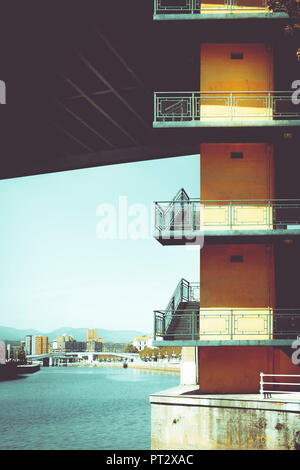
<point>177,297</point>
<point>181,196</point>
<point>194,286</point>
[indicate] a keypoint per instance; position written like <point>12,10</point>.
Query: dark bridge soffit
<point>108,157</point>
<point>90,91</point>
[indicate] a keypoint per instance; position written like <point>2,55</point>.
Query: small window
<point>236,259</point>
<point>237,155</point>
<point>236,55</point>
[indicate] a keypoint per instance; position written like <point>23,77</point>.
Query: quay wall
<point>220,422</point>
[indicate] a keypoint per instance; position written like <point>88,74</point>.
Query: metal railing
<point>203,7</point>
<point>185,325</point>
<point>224,106</point>
<point>228,324</point>
<point>238,214</point>
<point>185,292</point>
<point>267,393</point>
<point>181,212</point>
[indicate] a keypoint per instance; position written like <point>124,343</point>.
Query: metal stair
<point>184,323</point>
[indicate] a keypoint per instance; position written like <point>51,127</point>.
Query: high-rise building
<point>40,345</point>
<point>64,338</point>
<point>243,316</point>
<point>68,346</point>
<point>92,335</point>
<point>28,344</point>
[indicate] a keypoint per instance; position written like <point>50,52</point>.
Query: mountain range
<point>79,334</point>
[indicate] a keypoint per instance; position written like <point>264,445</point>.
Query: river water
<point>84,408</point>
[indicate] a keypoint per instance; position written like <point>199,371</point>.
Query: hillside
<point>115,336</point>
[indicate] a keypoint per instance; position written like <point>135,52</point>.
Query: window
<point>236,55</point>
<point>236,259</point>
<point>236,155</point>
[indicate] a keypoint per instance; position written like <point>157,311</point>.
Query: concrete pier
<point>182,418</point>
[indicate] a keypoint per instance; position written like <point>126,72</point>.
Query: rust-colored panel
<point>287,361</point>
<point>245,72</point>
<point>223,177</point>
<point>250,283</point>
<point>233,369</point>
<point>219,72</point>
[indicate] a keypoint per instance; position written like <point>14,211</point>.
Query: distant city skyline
<point>55,269</point>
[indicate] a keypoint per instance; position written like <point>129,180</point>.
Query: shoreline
<point>161,367</point>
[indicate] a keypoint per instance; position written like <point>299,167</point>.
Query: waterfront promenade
<point>156,366</point>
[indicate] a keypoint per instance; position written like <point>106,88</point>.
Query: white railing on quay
<point>268,393</point>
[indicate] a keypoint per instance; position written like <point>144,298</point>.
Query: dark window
<point>237,155</point>
<point>236,55</point>
<point>236,259</point>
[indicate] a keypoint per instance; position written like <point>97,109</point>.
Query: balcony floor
<point>219,16</point>
<point>197,342</point>
<point>227,123</point>
<point>226,236</point>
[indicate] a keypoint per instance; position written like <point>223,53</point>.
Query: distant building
<point>14,352</point>
<point>94,346</point>
<point>68,346</point>
<point>28,345</point>
<point>64,338</point>
<point>114,347</point>
<point>142,342</point>
<point>92,335</point>
<point>40,345</point>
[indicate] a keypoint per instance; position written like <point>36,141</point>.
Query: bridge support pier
<point>189,366</point>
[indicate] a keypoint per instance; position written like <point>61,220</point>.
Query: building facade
<point>40,345</point>
<point>92,335</point>
<point>68,346</point>
<point>28,344</point>
<point>142,342</point>
<point>244,315</point>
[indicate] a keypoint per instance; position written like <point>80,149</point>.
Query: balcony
<point>185,298</point>
<point>226,326</point>
<point>185,221</point>
<point>177,222</point>
<point>225,109</point>
<point>213,9</point>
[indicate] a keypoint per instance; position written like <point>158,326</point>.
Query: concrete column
<point>189,366</point>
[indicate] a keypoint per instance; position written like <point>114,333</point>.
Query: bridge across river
<point>56,358</point>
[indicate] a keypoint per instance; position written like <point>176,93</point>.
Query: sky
<point>62,265</point>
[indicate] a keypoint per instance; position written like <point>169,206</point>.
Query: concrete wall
<point>217,423</point>
<point>189,366</point>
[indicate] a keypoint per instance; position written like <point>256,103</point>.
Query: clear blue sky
<point>54,269</point>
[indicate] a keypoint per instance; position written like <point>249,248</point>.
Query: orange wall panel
<point>233,369</point>
<point>247,284</point>
<point>223,177</point>
<point>283,363</point>
<point>219,72</point>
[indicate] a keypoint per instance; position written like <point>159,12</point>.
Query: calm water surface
<point>80,408</point>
